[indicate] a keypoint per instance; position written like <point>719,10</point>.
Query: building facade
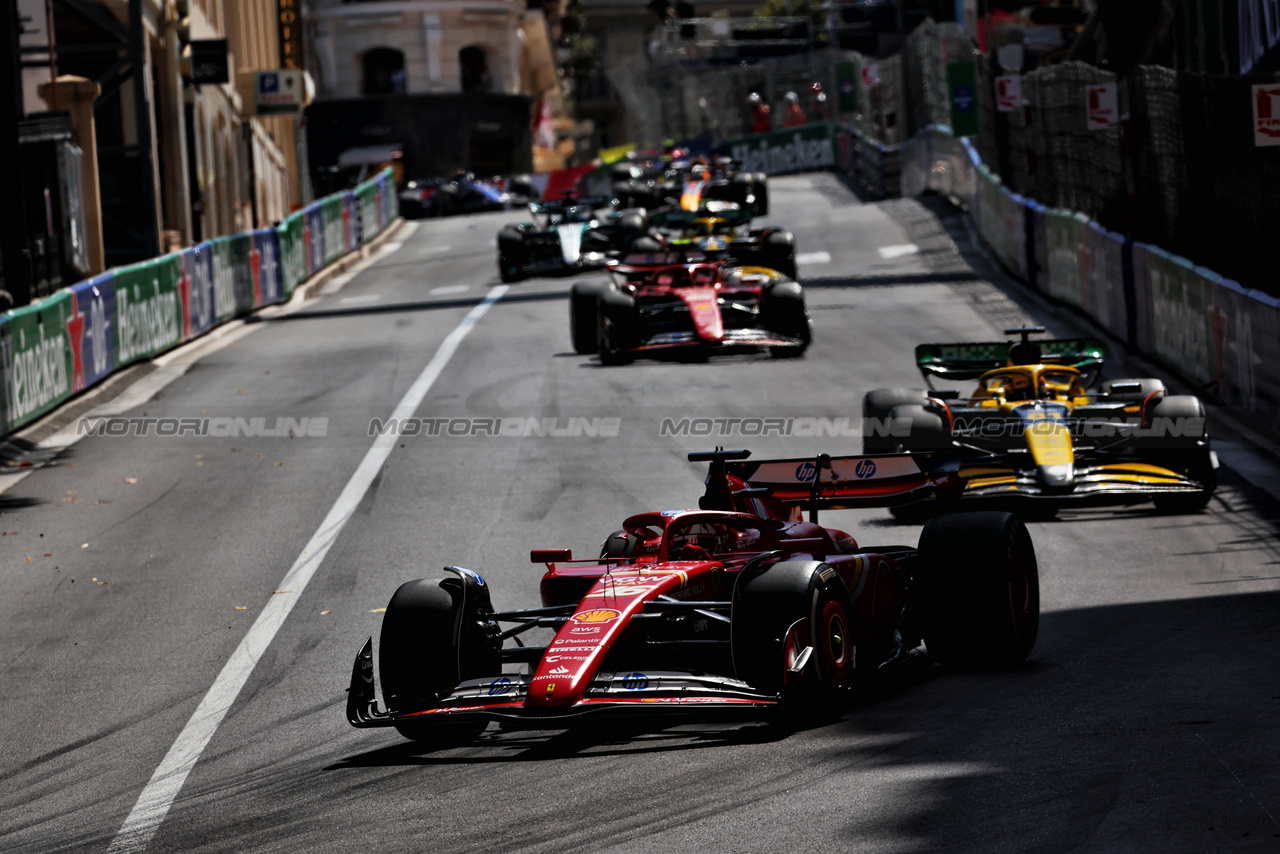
<point>475,59</point>
<point>167,159</point>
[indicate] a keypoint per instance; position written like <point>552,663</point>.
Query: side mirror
<point>550,555</point>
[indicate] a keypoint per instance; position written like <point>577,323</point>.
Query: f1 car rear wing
<point>826,482</point>
<point>569,201</point>
<point>968,361</point>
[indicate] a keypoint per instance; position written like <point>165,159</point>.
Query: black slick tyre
<point>877,408</point>
<point>806,597</point>
<point>511,254</point>
<point>583,297</point>
<point>977,590</point>
<point>784,313</point>
<point>615,327</point>
<point>421,659</point>
<point>779,253</point>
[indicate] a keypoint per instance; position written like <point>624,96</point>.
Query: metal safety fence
<point>1177,168</point>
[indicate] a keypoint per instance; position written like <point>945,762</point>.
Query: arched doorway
<point>383,72</point>
<point>474,69</point>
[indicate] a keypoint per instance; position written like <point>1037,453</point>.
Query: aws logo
<point>598,615</point>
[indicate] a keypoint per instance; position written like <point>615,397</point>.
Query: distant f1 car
<point>567,235</point>
<point>723,229</point>
<point>1031,432</point>
<point>665,301</point>
<point>653,184</point>
<point>733,610</point>
<point>460,194</point>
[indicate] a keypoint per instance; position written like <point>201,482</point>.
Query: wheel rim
<point>1021,592</point>
<point>834,644</point>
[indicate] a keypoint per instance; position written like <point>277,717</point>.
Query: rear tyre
<point>1197,464</point>
<point>740,190</point>
<point>779,253</point>
<point>511,254</point>
<point>762,194</point>
<point>877,408</point>
<point>928,432</point>
<point>421,660</point>
<point>582,315</point>
<point>809,598</point>
<point>977,589</point>
<point>632,223</point>
<point>784,313</point>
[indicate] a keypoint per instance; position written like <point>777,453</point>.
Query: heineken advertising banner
<point>35,356</point>
<point>293,251</point>
<point>1176,311</point>
<point>808,148</point>
<point>148,310</point>
<point>71,340</point>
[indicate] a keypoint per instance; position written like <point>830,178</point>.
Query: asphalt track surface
<point>1148,718</point>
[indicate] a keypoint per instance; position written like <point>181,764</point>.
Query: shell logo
<point>599,615</point>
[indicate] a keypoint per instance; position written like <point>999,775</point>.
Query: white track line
<point>813,258</point>
<point>158,795</point>
<point>898,251</point>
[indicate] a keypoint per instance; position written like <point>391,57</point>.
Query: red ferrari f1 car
<point>738,608</point>
<point>663,301</point>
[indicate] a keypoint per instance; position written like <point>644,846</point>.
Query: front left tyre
<point>583,298</point>
<point>511,254</point>
<point>432,639</point>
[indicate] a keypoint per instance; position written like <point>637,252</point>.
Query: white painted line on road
<point>451,289</point>
<point>445,247</point>
<point>898,251</point>
<point>360,299</point>
<point>157,797</point>
<point>813,258</point>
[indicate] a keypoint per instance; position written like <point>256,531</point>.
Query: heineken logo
<point>779,154</point>
<point>35,370</point>
<point>146,324</point>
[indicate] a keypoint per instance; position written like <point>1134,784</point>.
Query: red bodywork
<point>703,288</point>
<point>682,564</point>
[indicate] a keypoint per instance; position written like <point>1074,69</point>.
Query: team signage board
<point>846,77</point>
<point>1266,114</point>
<point>209,62</point>
<point>1102,106</point>
<point>1009,93</point>
<point>279,92</point>
<point>962,86</point>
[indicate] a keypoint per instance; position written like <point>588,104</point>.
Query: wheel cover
<point>1021,594</point>
<point>835,650</point>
